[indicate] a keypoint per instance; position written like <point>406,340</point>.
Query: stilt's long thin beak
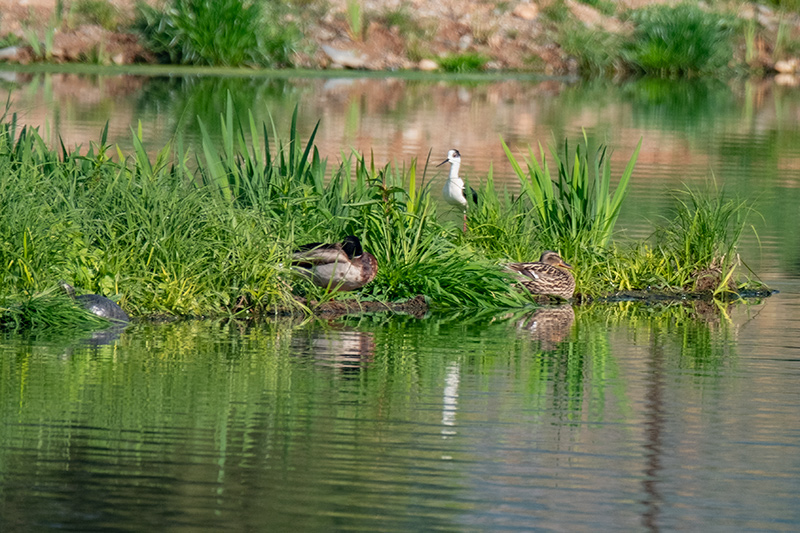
<point>443,162</point>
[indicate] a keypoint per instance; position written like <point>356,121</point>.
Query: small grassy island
<point>211,233</point>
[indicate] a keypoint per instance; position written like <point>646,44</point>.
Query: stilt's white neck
<point>454,165</point>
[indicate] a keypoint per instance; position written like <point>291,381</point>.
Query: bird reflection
<point>450,400</point>
<point>549,325</point>
<point>343,349</point>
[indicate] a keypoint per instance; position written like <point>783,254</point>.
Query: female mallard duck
<point>343,266</point>
<point>546,276</point>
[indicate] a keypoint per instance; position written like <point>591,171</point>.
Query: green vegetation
<point>218,33</point>
<point>666,41</point>
<point>355,19</point>
<point>208,233</point>
<point>679,40</point>
<point>466,62</point>
<point>577,210</point>
<point>99,12</point>
<point>598,52</point>
<point>42,50</point>
<point>402,17</point>
<point>47,311</point>
<point>786,5</point>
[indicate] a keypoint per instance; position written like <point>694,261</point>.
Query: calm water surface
<point>594,418</point>
<point>603,418</point>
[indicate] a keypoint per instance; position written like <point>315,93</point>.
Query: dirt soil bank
<point>398,34</point>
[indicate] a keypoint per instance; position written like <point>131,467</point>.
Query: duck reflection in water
<point>345,350</point>
<point>450,400</point>
<point>549,325</point>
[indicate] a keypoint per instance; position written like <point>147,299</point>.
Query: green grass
<point>218,33</point>
<point>704,231</point>
<point>389,208</point>
<point>573,204</point>
<point>598,52</point>
<point>99,12</point>
<point>463,62</point>
<point>208,232</point>
<point>679,40</point>
<point>355,19</point>
<point>46,311</point>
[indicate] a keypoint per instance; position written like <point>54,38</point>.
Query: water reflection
<point>103,337</point>
<point>637,417</point>
<point>654,426</point>
<point>549,325</point>
<point>614,417</point>
<point>450,400</point>
<point>344,349</point>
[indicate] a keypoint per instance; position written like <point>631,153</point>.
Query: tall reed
<point>390,209</point>
<point>574,207</point>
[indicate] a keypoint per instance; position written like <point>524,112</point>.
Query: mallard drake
<point>342,266</point>
<point>546,276</point>
<point>96,304</point>
<point>454,190</point>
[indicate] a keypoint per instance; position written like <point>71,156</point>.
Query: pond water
<point>623,417</point>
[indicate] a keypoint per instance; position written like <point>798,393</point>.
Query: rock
<point>345,58</point>
<point>789,66</point>
<point>592,18</point>
<point>428,65</point>
<point>10,53</point>
<point>526,11</point>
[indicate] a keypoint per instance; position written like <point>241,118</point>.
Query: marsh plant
<point>211,232</point>
<point>218,33</point>
<point>683,39</point>
<point>571,196</point>
<point>463,62</point>
<point>355,19</point>
<point>598,52</point>
<point>390,209</point>
<point>704,232</point>
<point>100,12</point>
<point>664,41</point>
<point>42,49</point>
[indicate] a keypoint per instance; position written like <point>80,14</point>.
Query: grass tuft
<point>679,40</point>
<point>574,207</point>
<point>462,63</point>
<point>46,311</point>
<point>217,33</point>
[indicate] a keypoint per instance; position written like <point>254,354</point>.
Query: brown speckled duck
<point>343,266</point>
<point>546,276</point>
